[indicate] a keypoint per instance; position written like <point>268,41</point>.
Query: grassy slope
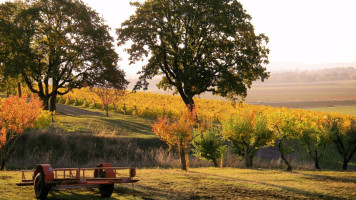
<point>116,125</point>
<point>350,110</point>
<point>209,183</point>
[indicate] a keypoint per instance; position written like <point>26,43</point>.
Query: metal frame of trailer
<point>44,178</point>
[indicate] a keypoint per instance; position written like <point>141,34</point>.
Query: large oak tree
<point>61,45</point>
<point>196,46</point>
<point>9,76</point>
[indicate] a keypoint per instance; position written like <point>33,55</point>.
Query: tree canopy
<point>196,46</point>
<point>60,45</point>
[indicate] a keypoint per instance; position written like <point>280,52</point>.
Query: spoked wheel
<point>41,191</point>
<point>106,190</point>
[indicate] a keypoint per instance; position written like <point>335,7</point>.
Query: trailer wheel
<point>41,191</point>
<point>106,190</point>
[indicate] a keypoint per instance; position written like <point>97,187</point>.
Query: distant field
<point>281,92</point>
<point>208,183</point>
<point>350,110</point>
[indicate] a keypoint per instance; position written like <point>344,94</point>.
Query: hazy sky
<point>300,31</point>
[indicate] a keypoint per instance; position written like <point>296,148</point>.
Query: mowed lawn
<point>208,183</point>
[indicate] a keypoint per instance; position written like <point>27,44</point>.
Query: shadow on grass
<point>126,191</point>
<point>130,126</point>
<point>75,111</point>
<point>148,193</point>
<point>312,195</point>
<point>76,194</point>
<point>325,178</point>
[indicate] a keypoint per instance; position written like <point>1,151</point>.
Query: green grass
<point>209,183</point>
<point>116,125</point>
<point>350,110</point>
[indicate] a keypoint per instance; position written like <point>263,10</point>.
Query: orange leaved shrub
<point>16,114</point>
<point>177,133</point>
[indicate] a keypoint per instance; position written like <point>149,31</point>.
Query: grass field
<point>117,125</point>
<point>208,183</point>
<point>350,110</point>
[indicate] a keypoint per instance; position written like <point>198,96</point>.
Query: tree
<point>16,114</point>
<point>315,135</point>
<point>196,46</point>
<point>285,124</point>
<point>343,131</point>
<point>7,85</point>
<point>177,134</point>
<point>248,132</point>
<point>209,144</point>
<point>9,75</point>
<point>110,88</point>
<point>60,45</point>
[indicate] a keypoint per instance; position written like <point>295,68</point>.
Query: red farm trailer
<point>103,176</point>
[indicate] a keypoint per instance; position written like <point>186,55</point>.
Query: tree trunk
<point>6,150</point>
<point>53,102</point>
<point>3,158</point>
<point>107,110</point>
<point>215,162</point>
<point>346,154</point>
<point>3,161</point>
<point>248,159</point>
<point>19,89</point>
<point>316,158</point>
<point>188,101</point>
<point>344,164</point>
<point>317,166</point>
<point>45,100</point>
<point>184,159</point>
<point>281,150</point>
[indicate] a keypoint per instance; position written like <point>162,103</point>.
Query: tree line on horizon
<point>327,74</point>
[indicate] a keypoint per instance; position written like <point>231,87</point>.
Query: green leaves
<point>209,144</point>
<point>62,43</point>
<point>197,45</point>
<point>248,132</point>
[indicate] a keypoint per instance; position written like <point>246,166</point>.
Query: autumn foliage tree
<point>110,87</point>
<point>16,114</point>
<point>315,135</point>
<point>343,135</point>
<point>286,126</point>
<point>248,132</point>
<point>177,133</point>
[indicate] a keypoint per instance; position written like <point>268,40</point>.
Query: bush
<point>16,115</point>
<point>44,120</point>
<point>209,145</point>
